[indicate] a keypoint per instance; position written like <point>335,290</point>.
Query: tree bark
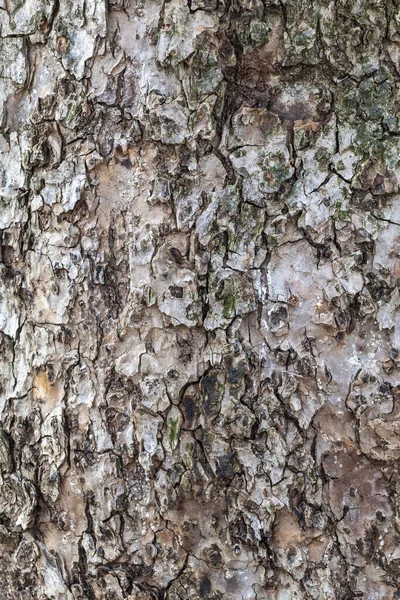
<point>199,293</point>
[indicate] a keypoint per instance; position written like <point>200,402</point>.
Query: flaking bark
<point>199,324</point>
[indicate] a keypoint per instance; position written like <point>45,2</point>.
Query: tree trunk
<point>200,257</point>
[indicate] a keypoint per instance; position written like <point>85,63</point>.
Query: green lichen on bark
<point>199,303</point>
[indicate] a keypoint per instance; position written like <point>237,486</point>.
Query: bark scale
<point>200,257</point>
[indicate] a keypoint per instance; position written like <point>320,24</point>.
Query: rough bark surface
<point>199,299</point>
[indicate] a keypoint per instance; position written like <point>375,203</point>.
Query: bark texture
<point>199,299</point>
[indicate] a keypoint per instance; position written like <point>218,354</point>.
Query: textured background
<point>199,294</point>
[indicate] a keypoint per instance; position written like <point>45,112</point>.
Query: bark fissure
<point>199,299</point>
